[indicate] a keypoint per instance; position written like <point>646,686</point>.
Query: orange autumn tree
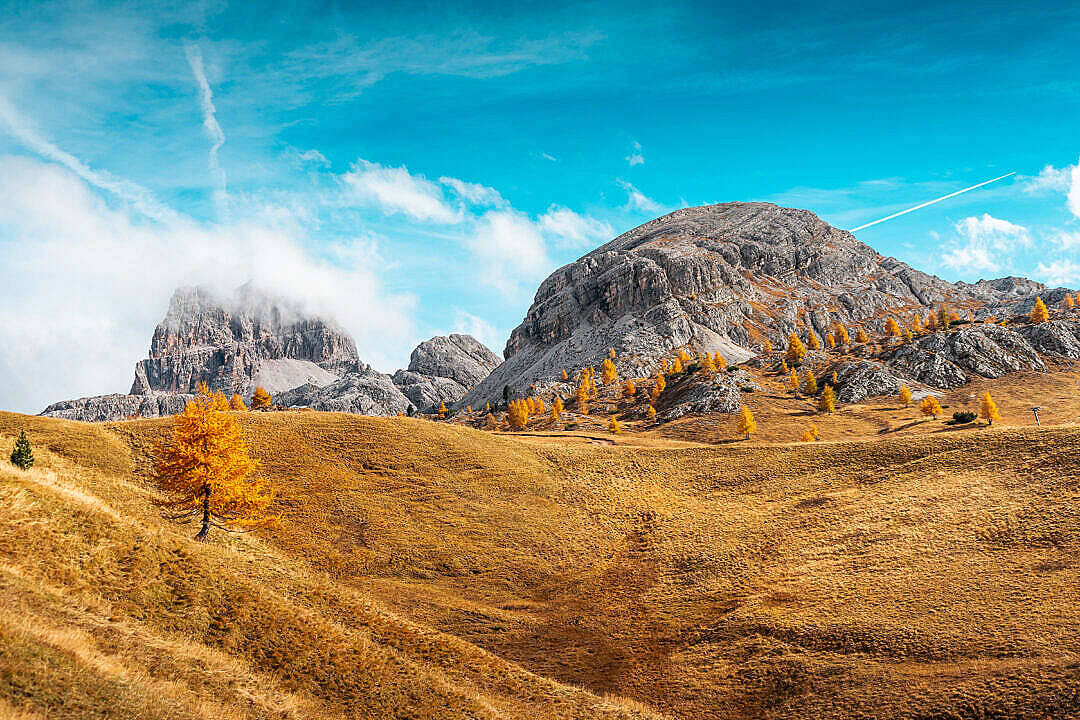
<point>517,413</point>
<point>583,397</point>
<point>988,410</point>
<point>1039,313</point>
<point>796,351</point>
<point>892,328</point>
<point>608,373</point>
<point>930,406</point>
<point>721,363</point>
<point>905,394</point>
<point>261,399</point>
<point>237,403</point>
<point>205,472</point>
<point>556,409</point>
<point>746,423</point>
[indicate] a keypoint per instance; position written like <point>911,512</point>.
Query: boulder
<point>364,392</point>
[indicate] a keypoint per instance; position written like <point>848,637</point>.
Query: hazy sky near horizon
<point>418,168</point>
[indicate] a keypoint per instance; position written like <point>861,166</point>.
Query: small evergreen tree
<point>22,456</point>
<point>988,409</point>
<point>796,351</point>
<point>629,389</point>
<point>793,381</point>
<point>556,409</point>
<point>1039,313</point>
<point>746,424</point>
<point>812,342</point>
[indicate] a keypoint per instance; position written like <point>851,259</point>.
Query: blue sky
<point>416,169</point>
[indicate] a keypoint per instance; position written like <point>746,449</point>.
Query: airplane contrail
<point>931,202</point>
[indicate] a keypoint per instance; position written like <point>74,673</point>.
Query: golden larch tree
<point>629,389</point>
<point>442,409</point>
<point>784,369</point>
<point>988,410</point>
<point>684,356</point>
<point>565,377</point>
<point>766,346</point>
<point>220,403</point>
<point>810,383</point>
<point>237,403</point>
<point>676,366</point>
<point>517,413</point>
<point>205,472</point>
<point>651,413</point>
<point>930,406</point>
<point>611,353</point>
<point>721,362</point>
<point>812,342</point>
<point>833,379</point>
<point>861,336</point>
<point>1039,313</point>
<point>905,394</point>
<point>746,423</point>
<point>908,337</point>
<point>796,351</point>
<point>830,340</point>
<point>556,409</point>
<point>892,328</point>
<point>916,323</point>
<point>583,397</point>
<point>793,381</point>
<point>827,401</point>
<point>261,399</point>
<point>842,337</point>
<point>614,426</point>
<point>931,323</point>
<point>608,373</point>
<point>468,409</point>
<point>708,365</point>
<point>811,434</point>
<point>1068,302</point>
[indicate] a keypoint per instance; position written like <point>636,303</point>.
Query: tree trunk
<point>205,530</point>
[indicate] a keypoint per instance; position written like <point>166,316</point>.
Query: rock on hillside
<point>943,360</point>
<point>104,408</point>
<point>443,369</point>
<point>364,392</point>
<point>721,278</point>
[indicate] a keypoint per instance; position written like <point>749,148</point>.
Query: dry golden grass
<point>424,569</point>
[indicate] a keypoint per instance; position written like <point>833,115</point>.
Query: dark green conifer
<point>22,456</point>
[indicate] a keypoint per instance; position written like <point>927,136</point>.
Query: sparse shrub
<point>614,426</point>
<point>489,422</point>
<point>651,413</point>
<point>892,328</point>
<point>22,456</point>
<point>962,417</point>
<point>811,434</point>
<point>861,336</point>
<point>629,389</point>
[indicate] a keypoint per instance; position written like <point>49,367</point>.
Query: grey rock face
<point>461,358</point>
<point>1056,337</point>
<point>864,378</point>
<point>364,392</point>
<point>719,395</point>
<point>718,278</point>
<point>425,392</point>
<point>941,359</point>
<point>104,408</point>
<point>222,342</point>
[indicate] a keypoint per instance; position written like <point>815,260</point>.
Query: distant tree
<point>539,406</point>
<point>833,379</point>
<point>651,413</point>
<point>931,323</point>
<point>676,366</point>
<point>842,337</point>
<point>608,374</point>
<point>916,323</point>
<point>205,471</point>
<point>746,424</point>
<point>468,409</point>
<point>908,337</point>
<point>861,336</point>
<point>796,351</point>
<point>766,346</point>
<point>810,383</point>
<point>583,397</point>
<point>442,409</point>
<point>629,389</point>
<point>1039,313</point>
<point>489,422</point>
<point>905,394</point>
<point>811,434</point>
<point>614,426</point>
<point>830,340</point>
<point>22,456</point>
<point>660,385</point>
<point>721,362</point>
<point>784,369</point>
<point>812,342</point>
<point>565,377</point>
<point>487,407</point>
<point>517,413</point>
<point>684,356</point>
<point>1078,298</point>
<point>708,365</point>
<point>827,401</point>
<point>556,409</point>
<point>261,399</point>
<point>988,410</point>
<point>793,381</point>
<point>237,403</point>
<point>220,402</point>
<point>930,406</point>
<point>892,328</point>
<point>611,353</point>
<point>1068,302</point>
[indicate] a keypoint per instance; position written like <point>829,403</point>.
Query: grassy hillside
<point>430,570</point>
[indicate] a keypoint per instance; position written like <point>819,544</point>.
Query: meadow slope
<point>429,570</point>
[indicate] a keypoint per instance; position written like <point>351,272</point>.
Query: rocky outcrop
<point>864,378</point>
<point>720,394</point>
<point>943,359</point>
<point>364,392</point>
<point>461,358</point>
<point>425,392</point>
<point>1056,337</point>
<point>720,278</point>
<point>118,407</point>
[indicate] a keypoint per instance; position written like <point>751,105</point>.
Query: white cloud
<point>299,157</point>
<point>475,193</point>
<point>509,249</point>
<point>1064,180</point>
<point>637,200</point>
<point>546,156</point>
<point>573,230</point>
<point>1074,191</point>
<point>139,198</point>
<point>984,243</point>
<point>395,190</point>
<point>635,157</point>
<point>210,124</point>
<point>469,324</point>
<point>88,298</point>
<point>1059,272</point>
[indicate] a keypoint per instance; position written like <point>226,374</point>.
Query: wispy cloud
<point>637,200</point>
<point>1057,180</point>
<point>984,243</point>
<point>469,324</point>
<point>573,230</point>
<point>635,157</point>
<point>474,193</point>
<point>210,124</point>
<point>509,247</point>
<point>1059,272</point>
<point>139,198</point>
<point>396,190</point>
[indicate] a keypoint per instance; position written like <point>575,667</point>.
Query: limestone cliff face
<point>722,278</point>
